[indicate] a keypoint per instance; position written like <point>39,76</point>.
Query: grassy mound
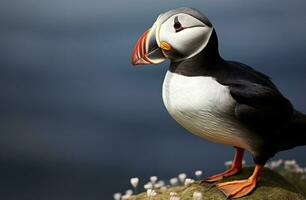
<point>271,186</point>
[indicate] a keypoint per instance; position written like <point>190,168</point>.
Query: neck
<point>202,63</point>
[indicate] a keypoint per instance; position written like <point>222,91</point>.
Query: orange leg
<point>236,166</point>
<point>240,188</point>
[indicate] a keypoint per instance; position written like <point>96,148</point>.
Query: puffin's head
<point>178,34</point>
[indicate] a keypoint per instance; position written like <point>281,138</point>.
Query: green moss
<point>294,178</point>
<point>271,186</point>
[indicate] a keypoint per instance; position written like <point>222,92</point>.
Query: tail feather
<point>298,129</point>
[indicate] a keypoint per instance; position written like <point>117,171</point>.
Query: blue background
<point>77,121</point>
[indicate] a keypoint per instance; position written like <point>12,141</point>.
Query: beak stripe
<point>146,50</point>
<point>138,55</point>
<point>143,48</point>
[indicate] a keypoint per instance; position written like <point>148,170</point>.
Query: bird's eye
<point>177,25</point>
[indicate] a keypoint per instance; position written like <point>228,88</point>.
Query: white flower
<point>126,197</point>
<point>197,196</point>
<point>290,165</point>
<point>290,162</point>
<point>299,170</point>
<point>188,181</point>
<point>134,182</point>
<point>147,186</point>
<point>117,196</point>
<point>162,183</point>
<point>279,162</point>
<point>129,192</point>
<point>174,198</point>
<point>173,181</point>
<point>153,179</point>
<point>228,164</point>
<point>151,193</point>
<point>275,164</point>
<point>159,184</point>
<point>173,194</point>
<point>182,177</point>
<point>198,173</point>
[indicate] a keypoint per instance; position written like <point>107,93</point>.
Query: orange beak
<point>146,50</point>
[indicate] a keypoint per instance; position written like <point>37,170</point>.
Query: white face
<point>187,36</point>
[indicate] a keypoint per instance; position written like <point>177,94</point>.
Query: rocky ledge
<point>271,186</point>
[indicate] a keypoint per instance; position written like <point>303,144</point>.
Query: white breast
<point>204,107</point>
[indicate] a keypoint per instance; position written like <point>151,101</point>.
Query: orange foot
<point>227,173</point>
<point>240,188</point>
<point>237,165</point>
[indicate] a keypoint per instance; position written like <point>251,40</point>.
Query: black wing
<point>259,103</point>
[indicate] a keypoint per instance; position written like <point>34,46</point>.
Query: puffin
<point>223,101</point>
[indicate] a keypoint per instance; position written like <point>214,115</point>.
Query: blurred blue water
<point>77,121</point>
